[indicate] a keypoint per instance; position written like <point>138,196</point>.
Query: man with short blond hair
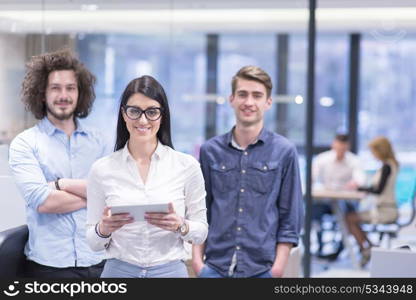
<point>254,196</point>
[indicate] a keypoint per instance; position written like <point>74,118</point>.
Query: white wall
<point>12,205</point>
<point>12,67</point>
<point>12,120</point>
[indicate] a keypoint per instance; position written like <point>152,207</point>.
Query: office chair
<point>12,257</point>
<point>327,231</point>
<point>392,230</point>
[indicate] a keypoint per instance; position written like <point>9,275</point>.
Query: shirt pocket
<point>264,175</point>
<point>224,176</point>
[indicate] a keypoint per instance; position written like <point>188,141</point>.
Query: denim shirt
<point>254,201</point>
<point>42,154</point>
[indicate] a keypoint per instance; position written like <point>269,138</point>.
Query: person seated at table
<point>335,169</point>
<point>383,187</point>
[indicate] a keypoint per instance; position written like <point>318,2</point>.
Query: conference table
<point>334,197</point>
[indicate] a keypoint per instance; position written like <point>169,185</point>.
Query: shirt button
<point>237,247</point>
<point>238,228</point>
<point>242,190</point>
<point>223,167</point>
<point>240,210</point>
<point>265,168</point>
<point>243,171</point>
<point>245,153</point>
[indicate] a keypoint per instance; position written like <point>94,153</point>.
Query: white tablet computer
<point>138,210</point>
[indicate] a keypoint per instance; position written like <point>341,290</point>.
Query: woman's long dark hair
<point>152,89</point>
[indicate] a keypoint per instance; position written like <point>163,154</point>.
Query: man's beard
<point>60,115</point>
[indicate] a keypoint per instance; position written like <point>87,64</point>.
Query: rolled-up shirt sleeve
<point>195,208</point>
<point>95,208</point>
<point>290,203</point>
<point>28,173</point>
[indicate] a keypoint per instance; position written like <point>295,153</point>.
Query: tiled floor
<point>338,268</point>
<point>342,266</point>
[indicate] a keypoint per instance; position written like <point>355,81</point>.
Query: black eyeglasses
<point>135,113</point>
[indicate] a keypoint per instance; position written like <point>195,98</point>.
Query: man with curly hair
<point>50,162</point>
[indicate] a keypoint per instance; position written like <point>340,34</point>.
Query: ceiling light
<point>298,99</point>
<point>89,7</point>
<point>326,101</point>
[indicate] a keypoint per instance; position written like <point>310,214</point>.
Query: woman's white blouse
<point>173,177</point>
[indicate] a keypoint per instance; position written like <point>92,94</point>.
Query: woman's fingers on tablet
<point>121,217</point>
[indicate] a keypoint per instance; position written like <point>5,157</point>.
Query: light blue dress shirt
<point>42,154</point>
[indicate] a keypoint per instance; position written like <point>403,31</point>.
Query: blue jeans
<point>208,272</point>
<point>115,268</point>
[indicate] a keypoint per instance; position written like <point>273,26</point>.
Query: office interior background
<point>365,66</point>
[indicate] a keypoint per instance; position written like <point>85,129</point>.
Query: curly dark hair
<point>36,80</point>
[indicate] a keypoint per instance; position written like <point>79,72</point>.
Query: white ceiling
<point>200,4</point>
<point>178,16</point>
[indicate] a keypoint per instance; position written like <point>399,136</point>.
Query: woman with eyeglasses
<point>145,169</point>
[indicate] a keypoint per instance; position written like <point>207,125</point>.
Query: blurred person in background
<point>383,189</point>
<point>336,169</point>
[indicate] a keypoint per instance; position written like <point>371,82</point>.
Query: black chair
<point>392,230</point>
<point>12,257</point>
<point>327,230</point>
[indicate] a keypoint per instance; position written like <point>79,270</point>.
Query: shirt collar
<point>80,128</point>
<point>158,154</point>
<point>334,157</point>
<point>262,137</point>
<point>47,126</point>
<point>160,150</point>
<point>50,129</point>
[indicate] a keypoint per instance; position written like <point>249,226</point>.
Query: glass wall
<point>236,51</point>
<point>297,66</point>
<point>388,103</point>
<point>178,64</point>
<point>331,90</point>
